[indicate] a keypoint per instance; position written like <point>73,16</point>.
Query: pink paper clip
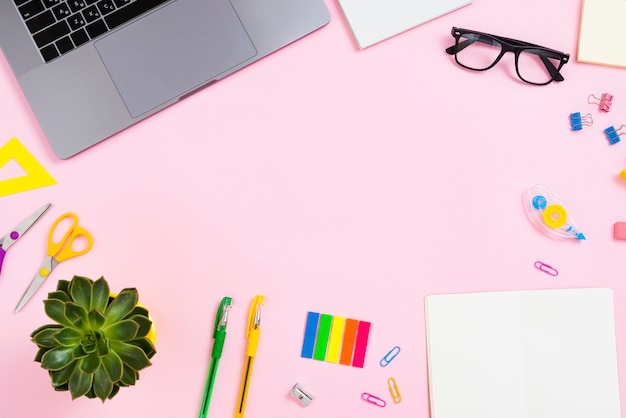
<point>375,400</point>
<point>546,268</point>
<point>604,103</point>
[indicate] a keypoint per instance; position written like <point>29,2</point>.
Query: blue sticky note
<point>310,333</point>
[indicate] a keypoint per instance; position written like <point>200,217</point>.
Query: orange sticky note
<point>349,338</point>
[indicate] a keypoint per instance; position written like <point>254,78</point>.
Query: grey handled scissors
<point>17,232</point>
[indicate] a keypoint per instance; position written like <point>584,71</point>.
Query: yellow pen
<point>253,333</point>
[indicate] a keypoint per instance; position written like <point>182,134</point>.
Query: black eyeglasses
<point>480,51</point>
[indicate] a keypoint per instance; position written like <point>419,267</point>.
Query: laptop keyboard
<point>58,26</point>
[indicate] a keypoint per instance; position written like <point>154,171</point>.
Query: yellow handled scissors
<point>57,252</point>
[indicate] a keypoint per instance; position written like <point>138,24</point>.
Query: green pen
<point>219,336</point>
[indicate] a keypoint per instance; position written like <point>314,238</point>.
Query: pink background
<point>331,179</point>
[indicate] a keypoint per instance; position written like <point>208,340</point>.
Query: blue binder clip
<point>577,121</point>
<point>613,134</point>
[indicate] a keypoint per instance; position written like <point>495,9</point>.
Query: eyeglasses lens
<point>477,52</point>
<point>537,66</point>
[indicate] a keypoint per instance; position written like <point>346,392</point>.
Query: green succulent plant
<point>98,343</point>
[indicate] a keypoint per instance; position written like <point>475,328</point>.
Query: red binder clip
<point>604,103</point>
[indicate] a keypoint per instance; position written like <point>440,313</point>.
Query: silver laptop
<point>90,68</point>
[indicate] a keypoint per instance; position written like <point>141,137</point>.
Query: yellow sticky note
<point>336,337</point>
<point>36,176</point>
<point>600,39</point>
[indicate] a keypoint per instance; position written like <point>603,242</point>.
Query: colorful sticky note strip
<point>335,339</point>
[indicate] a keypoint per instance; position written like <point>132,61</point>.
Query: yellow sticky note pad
<point>336,336</point>
<point>36,176</point>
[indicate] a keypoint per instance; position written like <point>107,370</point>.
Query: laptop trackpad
<point>173,51</point>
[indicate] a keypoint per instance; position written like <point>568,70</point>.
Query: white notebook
<point>601,35</point>
<point>527,354</point>
<point>375,20</point>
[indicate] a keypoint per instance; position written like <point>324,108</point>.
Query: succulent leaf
<point>82,324</point>
<point>74,312</point>
<point>41,352</point>
<point>55,309</point>
<point>44,336</point>
<point>79,383</point>
<point>145,345</point>
<point>80,291</point>
<point>102,384</point>
<point>62,296</point>
<point>121,306</point>
<point>64,387</point>
<point>116,388</point>
<point>57,358</point>
<point>131,355</point>
<point>113,365</point>
<point>79,352</point>
<point>63,286</point>
<point>68,337</point>
<point>103,347</point>
<point>144,325</point>
<point>139,310</point>
<point>90,364</point>
<point>96,319</point>
<point>124,330</point>
<point>61,377</point>
<point>129,376</point>
<point>100,296</point>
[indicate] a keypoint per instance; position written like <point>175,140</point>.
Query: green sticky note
<point>323,332</point>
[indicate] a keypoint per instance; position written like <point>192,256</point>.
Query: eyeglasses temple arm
<point>460,46</point>
<point>554,72</point>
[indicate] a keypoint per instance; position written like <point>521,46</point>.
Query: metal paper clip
<point>299,393</point>
<point>604,103</point>
<point>389,356</point>
<point>373,399</point>
<point>546,268</point>
<point>613,134</point>
<point>393,390</point>
<point>577,121</point>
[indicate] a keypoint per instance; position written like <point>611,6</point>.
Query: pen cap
<point>254,315</point>
<point>221,316</point>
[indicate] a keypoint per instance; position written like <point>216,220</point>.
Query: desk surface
<point>330,179</point>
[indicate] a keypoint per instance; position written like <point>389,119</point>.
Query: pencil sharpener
<point>299,393</point>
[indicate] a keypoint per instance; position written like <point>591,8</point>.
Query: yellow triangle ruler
<point>36,176</point>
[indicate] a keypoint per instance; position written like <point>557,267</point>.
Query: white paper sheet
<point>527,354</point>
<point>375,20</point>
